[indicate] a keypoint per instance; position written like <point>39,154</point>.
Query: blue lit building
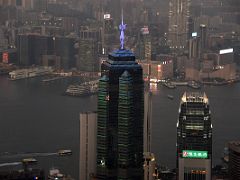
<point>120,118</point>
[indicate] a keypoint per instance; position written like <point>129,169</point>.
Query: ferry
<point>54,174</point>
<point>170,96</point>
<point>169,85</point>
<point>180,83</point>
<point>28,73</point>
<point>64,152</point>
<point>18,74</point>
<point>29,161</point>
<point>194,85</point>
<point>82,90</point>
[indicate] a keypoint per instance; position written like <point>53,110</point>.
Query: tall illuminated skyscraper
<point>120,117</point>
<point>179,14</point>
<point>194,137</point>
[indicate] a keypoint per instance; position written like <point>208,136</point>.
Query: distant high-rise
<point>32,48</point>
<point>108,34</point>
<point>26,4</point>
<point>234,160</point>
<point>144,44</point>
<point>88,142</point>
<point>120,117</point>
<point>203,36</point>
<point>194,47</point>
<point>178,24</point>
<point>87,55</point>
<point>194,137</point>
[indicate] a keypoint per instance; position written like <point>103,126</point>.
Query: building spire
<point>122,27</point>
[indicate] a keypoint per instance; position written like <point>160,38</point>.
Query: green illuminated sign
<point>194,154</point>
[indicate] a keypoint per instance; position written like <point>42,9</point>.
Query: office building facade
<point>144,45</point>
<point>194,137</point>
<point>234,160</point>
<point>88,142</point>
<point>194,48</point>
<point>150,167</point>
<point>147,121</point>
<point>178,31</point>
<point>120,118</point>
<point>88,56</point>
<point>33,47</point>
<point>203,36</point>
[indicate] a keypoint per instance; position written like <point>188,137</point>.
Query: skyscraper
<point>87,55</point>
<point>178,24</point>
<point>31,47</point>
<point>194,47</point>
<point>144,44</point>
<point>234,160</point>
<point>203,36</point>
<point>88,134</point>
<point>120,117</point>
<point>108,34</point>
<point>194,137</point>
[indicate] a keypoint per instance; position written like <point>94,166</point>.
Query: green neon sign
<point>194,154</point>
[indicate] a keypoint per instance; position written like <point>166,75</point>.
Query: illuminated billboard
<point>145,30</point>
<point>226,51</point>
<point>5,57</point>
<point>107,16</point>
<point>194,34</point>
<point>159,67</point>
<point>194,154</point>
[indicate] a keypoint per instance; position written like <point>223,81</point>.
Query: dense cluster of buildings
<point>183,39</point>
<point>192,40</point>
<point>120,136</point>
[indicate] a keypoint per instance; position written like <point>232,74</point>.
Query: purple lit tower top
<point>122,27</point>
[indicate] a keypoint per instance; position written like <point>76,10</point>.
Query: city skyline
<point>59,58</point>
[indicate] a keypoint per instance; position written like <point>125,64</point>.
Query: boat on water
<point>82,90</point>
<point>225,157</point>
<point>64,152</point>
<point>169,85</point>
<point>29,73</point>
<point>194,85</point>
<point>54,173</point>
<point>170,96</point>
<point>29,161</point>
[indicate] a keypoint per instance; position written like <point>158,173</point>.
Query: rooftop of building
<point>122,53</point>
<point>199,97</point>
<point>234,145</point>
<point>122,57</point>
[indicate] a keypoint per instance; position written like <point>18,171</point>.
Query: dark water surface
<point>35,117</point>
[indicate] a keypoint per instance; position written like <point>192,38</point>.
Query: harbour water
<point>36,118</point>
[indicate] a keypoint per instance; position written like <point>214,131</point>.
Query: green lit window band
<point>194,154</point>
